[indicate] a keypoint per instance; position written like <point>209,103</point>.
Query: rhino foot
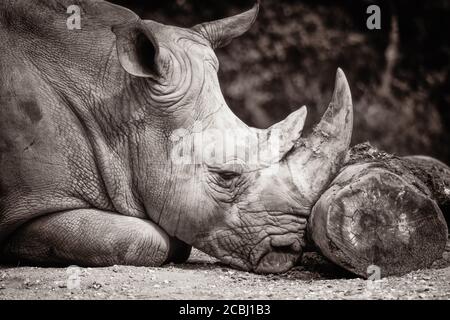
<point>92,238</point>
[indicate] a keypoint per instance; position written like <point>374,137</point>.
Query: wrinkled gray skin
<point>87,173</point>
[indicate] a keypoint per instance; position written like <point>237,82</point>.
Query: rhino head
<point>166,145</point>
<point>238,193</point>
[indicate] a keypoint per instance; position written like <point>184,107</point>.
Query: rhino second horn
<point>290,129</point>
<point>316,159</point>
<point>221,32</point>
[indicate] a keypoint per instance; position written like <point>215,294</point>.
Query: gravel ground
<point>202,277</point>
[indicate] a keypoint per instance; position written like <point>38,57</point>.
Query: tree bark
<point>383,211</point>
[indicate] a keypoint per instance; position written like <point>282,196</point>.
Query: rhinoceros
<point>93,122</point>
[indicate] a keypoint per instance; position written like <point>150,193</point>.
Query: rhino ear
<point>219,33</point>
<point>138,50</point>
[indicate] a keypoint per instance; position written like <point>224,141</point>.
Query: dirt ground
<point>203,277</point>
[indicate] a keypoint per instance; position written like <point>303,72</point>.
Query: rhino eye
<point>228,175</point>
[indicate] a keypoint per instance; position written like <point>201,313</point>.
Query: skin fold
<point>117,146</point>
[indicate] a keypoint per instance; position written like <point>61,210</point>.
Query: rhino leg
<point>93,238</point>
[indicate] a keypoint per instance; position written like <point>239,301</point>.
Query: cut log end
<point>372,216</point>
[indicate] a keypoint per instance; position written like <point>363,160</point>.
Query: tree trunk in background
<point>384,211</point>
<point>391,55</point>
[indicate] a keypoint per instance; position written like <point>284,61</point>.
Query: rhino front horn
<point>316,159</point>
<point>219,33</point>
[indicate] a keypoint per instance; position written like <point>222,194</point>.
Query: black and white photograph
<point>256,150</point>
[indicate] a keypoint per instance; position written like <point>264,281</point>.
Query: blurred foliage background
<point>399,75</point>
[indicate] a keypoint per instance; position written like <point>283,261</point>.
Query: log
<point>383,211</point>
<point>436,176</point>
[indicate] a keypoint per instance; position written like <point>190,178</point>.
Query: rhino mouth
<point>274,254</point>
<point>280,257</point>
<point>276,262</point>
